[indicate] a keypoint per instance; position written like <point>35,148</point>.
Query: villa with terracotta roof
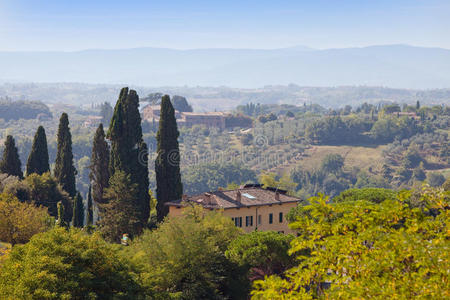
<point>152,113</point>
<point>251,207</point>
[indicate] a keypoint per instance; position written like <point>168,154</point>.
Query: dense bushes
<point>41,190</point>
<point>67,265</point>
<point>335,130</point>
<point>20,221</point>
<point>261,253</point>
<point>185,258</point>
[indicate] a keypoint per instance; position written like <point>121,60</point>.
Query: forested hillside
<point>15,110</point>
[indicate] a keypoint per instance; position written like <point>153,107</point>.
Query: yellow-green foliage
<point>4,250</point>
<point>185,257</point>
<point>60,264</point>
<point>364,250</point>
<point>20,221</point>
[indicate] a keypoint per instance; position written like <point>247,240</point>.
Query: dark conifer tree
<point>61,222</point>
<point>38,158</point>
<point>78,211</point>
<point>167,164</point>
<point>90,209</point>
<point>10,163</point>
<point>99,174</point>
<point>128,150</point>
<point>64,170</point>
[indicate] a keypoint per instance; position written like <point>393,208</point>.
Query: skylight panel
<point>249,196</point>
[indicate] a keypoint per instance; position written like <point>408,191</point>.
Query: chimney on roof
<point>277,196</point>
<point>208,198</point>
<point>238,196</point>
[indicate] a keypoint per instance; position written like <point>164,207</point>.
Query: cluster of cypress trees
<point>38,163</point>
<point>126,157</point>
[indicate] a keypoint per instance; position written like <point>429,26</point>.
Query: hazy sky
<point>83,24</point>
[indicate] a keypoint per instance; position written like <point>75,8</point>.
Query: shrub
<point>20,221</point>
<point>66,265</point>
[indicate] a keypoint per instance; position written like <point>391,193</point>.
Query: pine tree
<point>128,150</point>
<point>167,164</point>
<point>38,158</point>
<point>64,170</point>
<point>90,211</point>
<point>78,211</point>
<point>119,215</point>
<point>10,163</point>
<point>417,105</point>
<point>99,174</point>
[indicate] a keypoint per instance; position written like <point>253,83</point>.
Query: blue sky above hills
<point>82,24</point>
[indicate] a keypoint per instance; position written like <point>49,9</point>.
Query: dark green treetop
<point>167,164</point>
<point>64,169</point>
<point>38,158</point>
<point>78,211</point>
<point>10,163</point>
<point>128,150</point>
<point>99,174</point>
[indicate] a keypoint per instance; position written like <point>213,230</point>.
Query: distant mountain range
<point>397,66</point>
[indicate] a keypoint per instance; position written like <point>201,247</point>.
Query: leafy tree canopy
<point>67,265</point>
<point>361,249</point>
<point>20,221</point>
<point>185,257</point>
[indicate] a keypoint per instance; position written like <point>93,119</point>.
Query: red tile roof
<point>250,195</point>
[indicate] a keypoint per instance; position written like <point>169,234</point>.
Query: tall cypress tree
<point>61,222</point>
<point>99,174</point>
<point>38,158</point>
<point>10,163</point>
<point>167,164</point>
<point>78,211</point>
<point>64,170</point>
<point>90,209</point>
<point>128,150</point>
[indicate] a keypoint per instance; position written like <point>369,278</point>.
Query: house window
<point>248,221</point>
<point>240,221</point>
<point>270,218</point>
<point>237,221</point>
<point>280,217</point>
<point>259,219</point>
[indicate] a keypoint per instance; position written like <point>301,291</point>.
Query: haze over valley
<point>395,66</point>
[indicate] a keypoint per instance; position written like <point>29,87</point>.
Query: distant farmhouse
<point>92,121</point>
<point>220,120</point>
<point>251,207</point>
